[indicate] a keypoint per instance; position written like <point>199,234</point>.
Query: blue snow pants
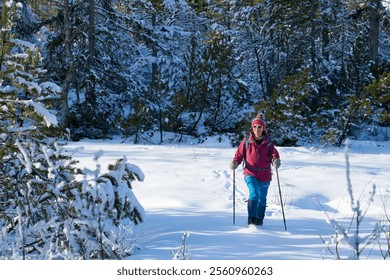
<point>257,195</point>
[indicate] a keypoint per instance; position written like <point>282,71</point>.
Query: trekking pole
<point>281,201</point>
<point>234,197</point>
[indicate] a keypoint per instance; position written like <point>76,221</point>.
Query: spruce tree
<point>43,204</point>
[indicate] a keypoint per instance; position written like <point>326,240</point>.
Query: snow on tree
<point>107,209</point>
<point>45,211</point>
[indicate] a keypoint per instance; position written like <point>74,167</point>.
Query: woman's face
<point>257,131</point>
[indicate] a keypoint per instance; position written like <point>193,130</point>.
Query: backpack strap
<point>245,149</point>
<point>269,150</point>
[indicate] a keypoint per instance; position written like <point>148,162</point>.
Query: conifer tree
<point>42,209</point>
<point>30,180</point>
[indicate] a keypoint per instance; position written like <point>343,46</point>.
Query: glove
<point>276,163</point>
<point>233,165</point>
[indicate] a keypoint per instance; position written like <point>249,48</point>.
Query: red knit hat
<point>258,120</point>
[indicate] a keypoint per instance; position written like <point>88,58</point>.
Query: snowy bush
<point>106,210</point>
<point>384,226</point>
<point>37,187</point>
<point>182,252</point>
<point>48,214</point>
<point>350,233</point>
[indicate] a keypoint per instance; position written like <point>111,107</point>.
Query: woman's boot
<point>261,214</point>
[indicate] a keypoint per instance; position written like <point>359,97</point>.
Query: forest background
<point>169,70</point>
<point>318,69</point>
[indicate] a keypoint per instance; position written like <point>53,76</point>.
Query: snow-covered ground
<point>187,195</point>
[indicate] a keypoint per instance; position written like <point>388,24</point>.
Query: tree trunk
<point>64,108</point>
<point>374,30</point>
<point>91,98</point>
<point>313,35</point>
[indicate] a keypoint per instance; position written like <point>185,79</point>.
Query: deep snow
<point>188,189</point>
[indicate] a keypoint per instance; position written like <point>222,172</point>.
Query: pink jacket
<point>258,157</point>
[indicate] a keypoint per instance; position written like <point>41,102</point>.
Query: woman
<point>258,153</point>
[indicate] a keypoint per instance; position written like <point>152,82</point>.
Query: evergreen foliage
<point>46,212</point>
<point>318,68</point>
<point>141,68</point>
<point>378,93</point>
